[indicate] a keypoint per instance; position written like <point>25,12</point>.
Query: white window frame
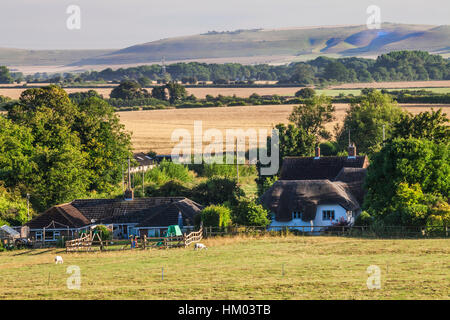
<point>330,213</point>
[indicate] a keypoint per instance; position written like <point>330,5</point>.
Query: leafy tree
<point>159,93</point>
<point>144,81</point>
<point>105,142</point>
<point>312,116</point>
<point>217,191</point>
<point>303,74</point>
<point>216,216</point>
<point>177,92</point>
<point>329,148</point>
<point>425,125</point>
<point>365,120</point>
<point>249,213</point>
<point>129,90</point>
<point>13,208</point>
<point>405,178</point>
<point>16,152</point>
<point>305,93</point>
<point>79,97</point>
<point>5,77</point>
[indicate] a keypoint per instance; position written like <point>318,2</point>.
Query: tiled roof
<point>84,212</point>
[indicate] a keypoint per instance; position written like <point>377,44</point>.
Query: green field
<point>357,92</point>
<point>238,268</point>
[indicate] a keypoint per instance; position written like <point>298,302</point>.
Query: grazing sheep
<point>58,259</point>
<point>200,246</point>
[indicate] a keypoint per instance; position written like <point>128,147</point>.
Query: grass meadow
<point>289,267</point>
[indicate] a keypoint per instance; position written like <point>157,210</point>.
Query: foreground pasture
<point>238,268</point>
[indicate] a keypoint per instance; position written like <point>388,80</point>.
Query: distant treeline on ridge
<point>393,66</point>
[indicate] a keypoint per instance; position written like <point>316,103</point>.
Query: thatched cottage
<point>317,191</point>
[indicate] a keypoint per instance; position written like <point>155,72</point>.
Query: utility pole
<point>28,207</point>
<point>129,174</point>
<point>237,162</point>
<point>143,176</point>
<point>123,180</point>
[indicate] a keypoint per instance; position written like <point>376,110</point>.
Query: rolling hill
<point>22,57</point>
<point>283,44</point>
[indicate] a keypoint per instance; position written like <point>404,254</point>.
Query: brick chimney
<point>317,153</point>
<point>352,151</point>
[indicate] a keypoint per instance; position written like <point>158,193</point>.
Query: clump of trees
<point>58,150</point>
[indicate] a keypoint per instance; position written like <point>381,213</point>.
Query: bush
<point>249,213</point>
<point>216,216</point>
<point>103,232</point>
<point>364,219</point>
<point>217,191</point>
<point>305,93</point>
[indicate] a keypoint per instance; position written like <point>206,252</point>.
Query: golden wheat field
<point>152,129</point>
<point>14,93</point>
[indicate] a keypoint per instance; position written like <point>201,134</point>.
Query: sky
<point>115,24</point>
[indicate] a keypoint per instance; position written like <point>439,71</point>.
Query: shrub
<point>217,191</point>
<point>104,232</point>
<point>364,219</point>
<point>216,216</point>
<point>249,213</point>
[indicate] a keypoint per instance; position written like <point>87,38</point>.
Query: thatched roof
<point>309,168</point>
<point>80,213</point>
<point>287,196</point>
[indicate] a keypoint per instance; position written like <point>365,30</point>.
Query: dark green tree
<point>249,213</point>
<point>365,121</point>
<point>312,116</point>
<point>129,90</point>
<point>305,93</point>
<point>425,125</point>
<point>5,77</point>
<point>405,178</point>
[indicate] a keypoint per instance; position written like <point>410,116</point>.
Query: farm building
<point>317,191</point>
<point>144,161</point>
<point>142,216</point>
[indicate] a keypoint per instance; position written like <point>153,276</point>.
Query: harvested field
<point>152,129</point>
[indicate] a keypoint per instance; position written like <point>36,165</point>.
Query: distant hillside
<point>293,43</point>
<point>21,57</point>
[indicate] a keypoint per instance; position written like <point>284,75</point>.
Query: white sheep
<point>58,259</point>
<point>200,246</point>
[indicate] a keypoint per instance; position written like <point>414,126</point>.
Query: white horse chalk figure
<point>58,259</point>
<point>200,246</point>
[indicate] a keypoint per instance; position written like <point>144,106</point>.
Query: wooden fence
<point>87,243</point>
<point>81,244</point>
<point>193,237</point>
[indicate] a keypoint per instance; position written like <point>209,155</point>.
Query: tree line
<point>393,66</point>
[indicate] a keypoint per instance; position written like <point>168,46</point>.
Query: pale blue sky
<point>41,24</point>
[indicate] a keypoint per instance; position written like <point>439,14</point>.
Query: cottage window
<point>327,215</point>
<point>56,235</point>
<point>296,215</point>
<point>38,235</point>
